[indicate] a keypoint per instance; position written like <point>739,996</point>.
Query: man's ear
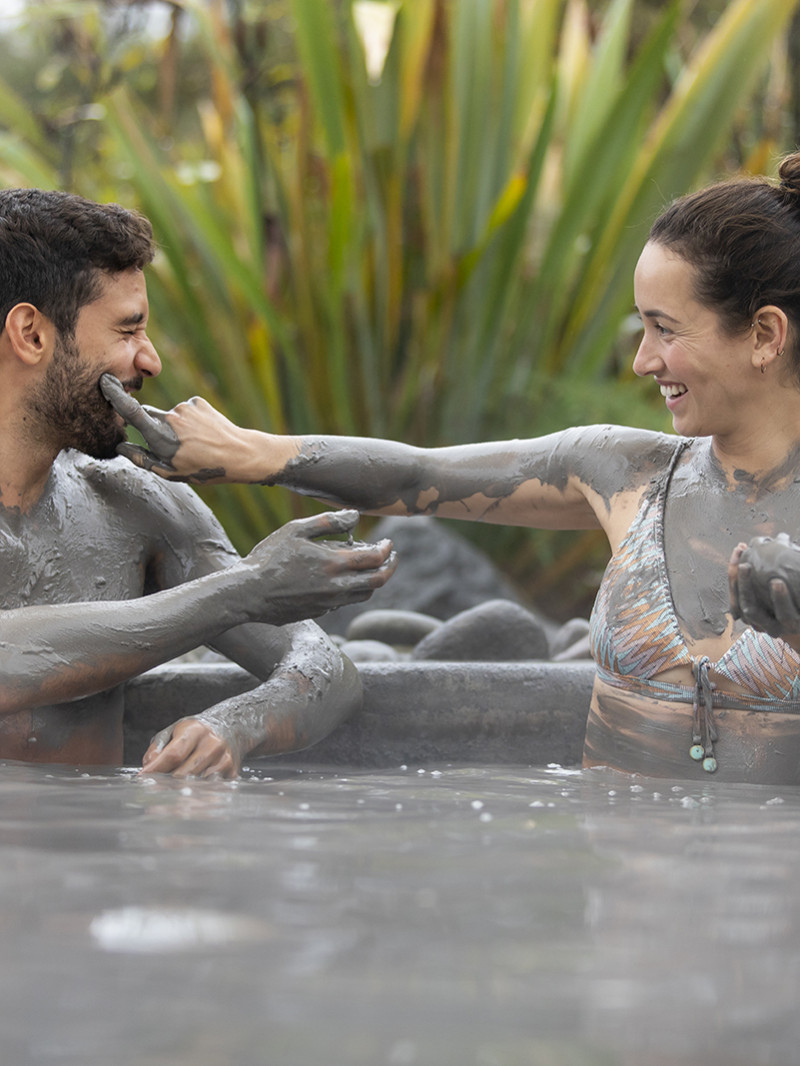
<point>30,333</point>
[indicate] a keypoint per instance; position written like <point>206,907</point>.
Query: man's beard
<point>70,410</point>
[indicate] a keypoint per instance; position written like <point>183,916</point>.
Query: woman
<point>695,637</point>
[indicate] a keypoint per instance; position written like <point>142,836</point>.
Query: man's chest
<point>70,554</point>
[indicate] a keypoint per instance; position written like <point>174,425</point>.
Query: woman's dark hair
<point>743,239</point>
<point>55,246</point>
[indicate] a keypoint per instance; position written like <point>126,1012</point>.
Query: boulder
<point>495,631</point>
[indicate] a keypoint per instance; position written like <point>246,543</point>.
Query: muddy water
<point>444,916</point>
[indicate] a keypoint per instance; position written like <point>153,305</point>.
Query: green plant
<point>438,251</point>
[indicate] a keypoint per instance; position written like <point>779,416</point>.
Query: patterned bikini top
<point>634,631</point>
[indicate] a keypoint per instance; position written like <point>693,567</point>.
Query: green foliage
<point>440,250</point>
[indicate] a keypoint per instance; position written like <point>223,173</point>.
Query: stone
<point>495,631</point>
<point>414,712</point>
<point>369,651</point>
<point>401,629</point>
<point>570,633</point>
<point>439,573</point>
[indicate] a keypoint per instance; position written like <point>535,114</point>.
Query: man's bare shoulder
<point>169,517</point>
<point>119,477</point>
<point>128,490</point>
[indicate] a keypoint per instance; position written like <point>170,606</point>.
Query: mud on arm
<point>535,482</point>
<point>308,691</point>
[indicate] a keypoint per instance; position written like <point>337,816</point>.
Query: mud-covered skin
<point>565,480</point>
<point>640,735</point>
<point>765,584</point>
<point>578,478</point>
<point>75,572</point>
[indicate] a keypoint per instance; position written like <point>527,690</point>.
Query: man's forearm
<point>53,654</point>
<point>312,689</point>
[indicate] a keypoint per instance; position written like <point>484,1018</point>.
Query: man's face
<point>110,335</point>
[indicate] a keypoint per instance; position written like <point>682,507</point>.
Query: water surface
<point>437,915</point>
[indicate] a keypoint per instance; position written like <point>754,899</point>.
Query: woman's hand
<point>764,583</point>
<point>193,442</point>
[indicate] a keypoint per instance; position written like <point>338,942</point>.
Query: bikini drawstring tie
<point>704,729</point>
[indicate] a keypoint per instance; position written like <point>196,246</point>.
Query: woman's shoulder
<point>627,439</point>
<point>612,458</point>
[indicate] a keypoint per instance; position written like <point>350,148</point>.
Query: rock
<point>572,632</point>
<point>581,649</point>
<point>438,573</point>
<point>369,651</point>
<point>401,629</point>
<point>495,631</point>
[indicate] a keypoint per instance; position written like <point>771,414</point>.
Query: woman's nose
<point>646,361</point>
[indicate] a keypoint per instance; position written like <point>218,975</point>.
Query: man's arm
<point>307,686</point>
<point>310,690</point>
<point>56,653</point>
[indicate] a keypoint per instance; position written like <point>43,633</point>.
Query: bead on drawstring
<point>704,731</point>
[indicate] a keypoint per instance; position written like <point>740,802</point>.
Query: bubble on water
<point>484,816</point>
<point>153,930</point>
<point>476,805</point>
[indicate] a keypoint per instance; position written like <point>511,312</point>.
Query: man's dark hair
<point>55,246</point>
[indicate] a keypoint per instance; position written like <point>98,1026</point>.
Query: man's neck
<point>24,473</point>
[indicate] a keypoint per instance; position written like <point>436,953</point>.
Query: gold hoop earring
<point>763,365</point>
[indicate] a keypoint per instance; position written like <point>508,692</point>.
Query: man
<point>105,571</point>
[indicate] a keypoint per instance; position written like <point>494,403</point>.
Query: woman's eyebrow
<point>657,314</point>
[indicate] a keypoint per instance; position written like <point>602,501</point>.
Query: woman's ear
<point>770,335</point>
<point>30,333</point>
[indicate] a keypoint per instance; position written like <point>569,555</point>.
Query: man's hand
<point>191,748</point>
<point>296,576</point>
<point>193,442</point>
<point>764,583</point>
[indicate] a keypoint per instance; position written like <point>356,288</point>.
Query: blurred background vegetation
<point>409,218</point>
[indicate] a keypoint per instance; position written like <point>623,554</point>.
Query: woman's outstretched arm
<point>564,480</point>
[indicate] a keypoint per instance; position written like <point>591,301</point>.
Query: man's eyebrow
<point>134,319</point>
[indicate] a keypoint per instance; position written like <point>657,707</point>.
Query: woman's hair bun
<point>789,173</point>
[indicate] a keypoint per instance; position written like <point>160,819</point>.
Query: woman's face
<point>705,373</point>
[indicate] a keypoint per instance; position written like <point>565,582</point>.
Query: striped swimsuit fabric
<point>635,635</point>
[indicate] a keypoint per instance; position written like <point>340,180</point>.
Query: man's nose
<point>146,359</point>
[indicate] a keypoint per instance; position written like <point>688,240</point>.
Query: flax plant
<point>420,219</point>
